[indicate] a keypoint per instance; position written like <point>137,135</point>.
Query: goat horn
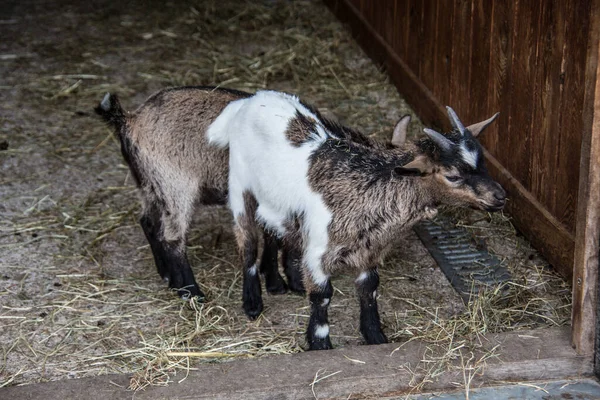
<point>438,138</point>
<point>455,121</point>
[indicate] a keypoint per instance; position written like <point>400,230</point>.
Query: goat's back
<point>169,130</point>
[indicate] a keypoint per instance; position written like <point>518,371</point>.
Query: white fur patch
<point>325,302</point>
<point>322,331</point>
<point>105,103</point>
<point>253,270</point>
<point>264,162</point>
<point>363,275</point>
<point>374,294</point>
<point>470,157</point>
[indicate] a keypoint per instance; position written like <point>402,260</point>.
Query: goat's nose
<point>500,194</point>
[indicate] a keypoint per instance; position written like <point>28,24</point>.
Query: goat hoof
<point>320,344</point>
<point>191,292</point>
<point>278,289</point>
<point>276,285</point>
<point>297,287</point>
<point>253,310</point>
<point>375,338</point>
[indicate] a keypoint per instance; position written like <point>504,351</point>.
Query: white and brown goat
<point>339,195</point>
<point>165,146</point>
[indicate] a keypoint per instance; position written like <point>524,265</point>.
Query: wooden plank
<point>536,223</point>
<point>461,58</point>
<point>443,51</point>
<point>397,41</point>
<point>427,42</point>
<point>414,55</point>
<point>525,39</point>
<point>545,130</point>
<point>500,78</point>
<point>587,244</point>
<point>569,150</point>
<point>524,355</point>
<point>390,28</point>
<point>413,90</point>
<point>544,231</point>
<point>480,62</point>
<point>403,45</point>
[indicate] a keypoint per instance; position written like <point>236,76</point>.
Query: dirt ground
<point>79,294</point>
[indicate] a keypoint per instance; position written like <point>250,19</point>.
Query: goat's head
<point>452,165</point>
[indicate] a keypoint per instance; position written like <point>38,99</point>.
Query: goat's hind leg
<point>269,266</point>
<point>370,323</point>
<point>292,263</point>
<point>152,226</point>
<point>166,233</point>
<point>247,235</point>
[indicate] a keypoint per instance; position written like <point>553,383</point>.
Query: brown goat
<point>175,167</point>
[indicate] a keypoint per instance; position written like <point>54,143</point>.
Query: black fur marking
<point>170,260</point>
<point>345,155</point>
<point>130,154</point>
<point>370,323</point>
<point>115,117</point>
<point>318,317</point>
<point>251,296</point>
<point>338,130</point>
<point>211,196</point>
<point>292,263</point>
<point>269,266</point>
<point>152,227</point>
<point>399,171</point>
<point>251,291</point>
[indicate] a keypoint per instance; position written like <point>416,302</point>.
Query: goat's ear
<point>399,135</point>
<point>417,167</point>
<point>479,127</point>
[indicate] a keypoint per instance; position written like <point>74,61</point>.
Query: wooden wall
<point>526,59</point>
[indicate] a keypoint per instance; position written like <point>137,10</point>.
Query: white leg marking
<point>374,294</point>
<point>325,302</point>
<point>322,331</point>
<point>363,275</point>
<point>253,270</point>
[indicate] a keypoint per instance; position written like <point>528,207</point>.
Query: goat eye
<point>453,178</point>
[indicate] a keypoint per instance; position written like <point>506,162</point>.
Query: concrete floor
<point>585,389</point>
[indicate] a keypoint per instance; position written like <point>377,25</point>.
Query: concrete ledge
<point>526,355</point>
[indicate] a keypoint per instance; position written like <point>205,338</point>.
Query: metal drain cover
<point>467,265</point>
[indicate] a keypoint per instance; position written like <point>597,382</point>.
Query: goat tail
<point>111,111</point>
<point>219,131</point>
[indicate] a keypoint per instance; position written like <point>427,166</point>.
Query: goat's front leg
<point>317,333</point>
<point>370,324</point>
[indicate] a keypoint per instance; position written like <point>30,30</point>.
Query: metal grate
<point>467,264</point>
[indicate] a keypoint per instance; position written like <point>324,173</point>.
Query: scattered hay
<point>535,297</point>
<point>78,292</point>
